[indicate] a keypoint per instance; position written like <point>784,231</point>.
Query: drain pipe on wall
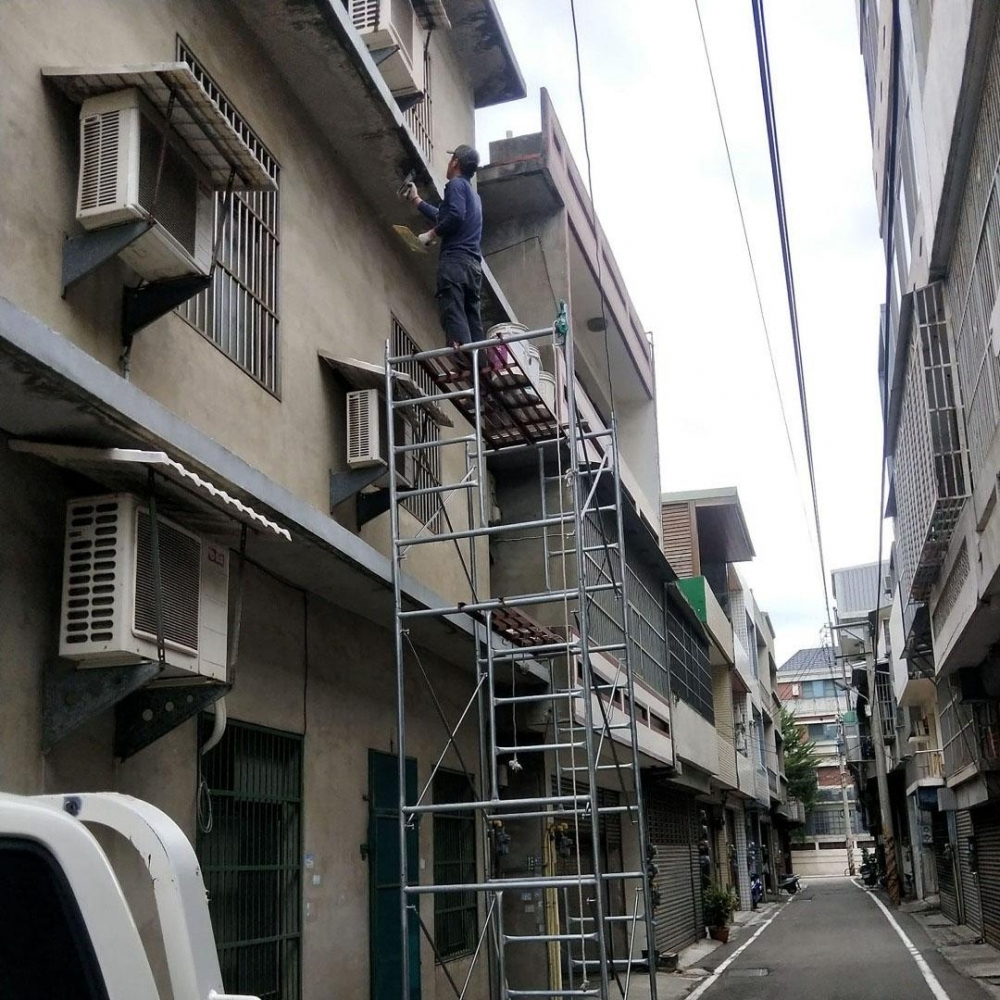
<point>218,729</point>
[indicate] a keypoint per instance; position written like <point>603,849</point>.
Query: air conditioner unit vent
<point>109,599</point>
<point>180,566</point>
<point>121,137</point>
<point>391,24</point>
<point>368,440</point>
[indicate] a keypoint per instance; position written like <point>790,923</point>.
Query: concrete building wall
<point>329,249</point>
<point>304,667</point>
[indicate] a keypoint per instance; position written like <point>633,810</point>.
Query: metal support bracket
<point>142,305</point>
<point>343,485</point>
<point>146,715</point>
<point>407,101</point>
<point>371,505</point>
<point>88,251</point>
<point>379,56</point>
<point>73,695</point>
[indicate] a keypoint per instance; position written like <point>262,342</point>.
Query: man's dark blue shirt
<point>458,220</point>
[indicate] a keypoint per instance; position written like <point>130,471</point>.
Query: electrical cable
<point>763,62</point>
<point>753,266</point>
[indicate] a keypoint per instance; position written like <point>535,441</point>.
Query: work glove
<point>408,192</point>
<point>427,238</point>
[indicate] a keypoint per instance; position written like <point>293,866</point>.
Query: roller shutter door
<point>986,823</point>
<point>971,910</point>
<point>673,833</point>
<point>945,869</point>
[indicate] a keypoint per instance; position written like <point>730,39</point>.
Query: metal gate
<point>674,837</point>
<point>986,823</point>
<point>945,867</point>
<point>971,909</point>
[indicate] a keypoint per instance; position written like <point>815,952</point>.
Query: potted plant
<point>719,903</point>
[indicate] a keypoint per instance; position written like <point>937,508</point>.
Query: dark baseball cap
<point>468,158</point>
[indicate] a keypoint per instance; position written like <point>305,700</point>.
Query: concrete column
<point>742,871</point>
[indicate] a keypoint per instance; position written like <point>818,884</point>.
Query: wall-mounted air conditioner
<point>368,441</point>
<point>109,603</point>
<point>120,142</point>
<point>796,690</point>
<point>395,39</point>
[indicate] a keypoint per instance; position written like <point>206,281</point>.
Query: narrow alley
<point>830,942</point>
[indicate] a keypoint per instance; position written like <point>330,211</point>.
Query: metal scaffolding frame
<point>590,726</point>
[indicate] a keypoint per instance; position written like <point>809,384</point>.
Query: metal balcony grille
<point>249,845</point>
<point>690,673</point>
<point>930,461</point>
<point>973,270</point>
<point>238,312</point>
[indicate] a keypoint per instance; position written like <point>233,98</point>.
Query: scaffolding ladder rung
<point>541,747</point>
<point>503,885</point>
<point>500,603</point>
<point>541,800</point>
<point>613,728</point>
<point>406,494</point>
<point>495,529</point>
<point>402,449</point>
<point>527,699</point>
<point>441,397</point>
<point>552,993</point>
<point>518,938</point>
<point>597,767</point>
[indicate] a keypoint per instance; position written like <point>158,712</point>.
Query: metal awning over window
<point>126,469</point>
<point>195,117</point>
<point>364,375</point>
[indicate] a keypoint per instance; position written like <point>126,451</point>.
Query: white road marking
<point>932,981</point>
<point>697,992</point>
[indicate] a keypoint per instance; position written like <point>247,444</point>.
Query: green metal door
<point>386,948</point>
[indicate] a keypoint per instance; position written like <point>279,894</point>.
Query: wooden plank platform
<point>513,411</point>
<point>518,628</point>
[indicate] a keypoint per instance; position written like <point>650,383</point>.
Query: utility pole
<point>878,740</point>
<point>842,765</point>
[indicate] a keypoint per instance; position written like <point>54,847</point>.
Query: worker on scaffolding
<point>458,223</point>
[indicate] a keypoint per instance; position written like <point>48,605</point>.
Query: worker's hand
<point>427,238</point>
<point>408,192</point>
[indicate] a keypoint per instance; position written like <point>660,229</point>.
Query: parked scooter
<point>790,883</point>
<point>756,890</point>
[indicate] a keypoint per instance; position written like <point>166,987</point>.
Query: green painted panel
<point>693,588</point>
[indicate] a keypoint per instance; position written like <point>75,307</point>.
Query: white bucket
<point>547,388</point>
<point>525,353</point>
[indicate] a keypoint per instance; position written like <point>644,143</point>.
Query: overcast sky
<point>663,193</point>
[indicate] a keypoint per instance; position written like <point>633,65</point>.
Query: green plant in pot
<point>719,904</point>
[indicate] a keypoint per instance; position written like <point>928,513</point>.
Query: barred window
<point>423,467</point>
<point>238,312</point>
<point>419,116</point>
<point>690,673</point>
<point>249,844</point>
<point>455,914</point>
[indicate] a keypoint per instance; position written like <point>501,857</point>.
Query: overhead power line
<point>753,266</point>
<point>764,66</point>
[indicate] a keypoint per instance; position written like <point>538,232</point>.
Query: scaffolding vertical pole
<point>397,601</point>
<point>583,612</point>
<point>644,856</point>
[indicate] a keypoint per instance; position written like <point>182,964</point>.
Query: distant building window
<point>819,689</point>
<point>455,913</point>
<point>239,311</point>
<point>823,731</point>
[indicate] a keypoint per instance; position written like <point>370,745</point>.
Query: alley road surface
<point>831,942</point>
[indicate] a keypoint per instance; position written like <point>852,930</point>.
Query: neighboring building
<point>232,398</point>
<point>735,763</point>
<point>938,79</point>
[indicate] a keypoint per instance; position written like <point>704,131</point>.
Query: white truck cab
<point>66,928</point>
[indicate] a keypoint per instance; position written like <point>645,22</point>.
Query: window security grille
<point>239,311</point>
<point>930,460</point>
<point>972,277</point>
<point>250,858</point>
<point>455,913</point>
<point>425,470</point>
<point>690,673</point>
<point>419,116</point>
